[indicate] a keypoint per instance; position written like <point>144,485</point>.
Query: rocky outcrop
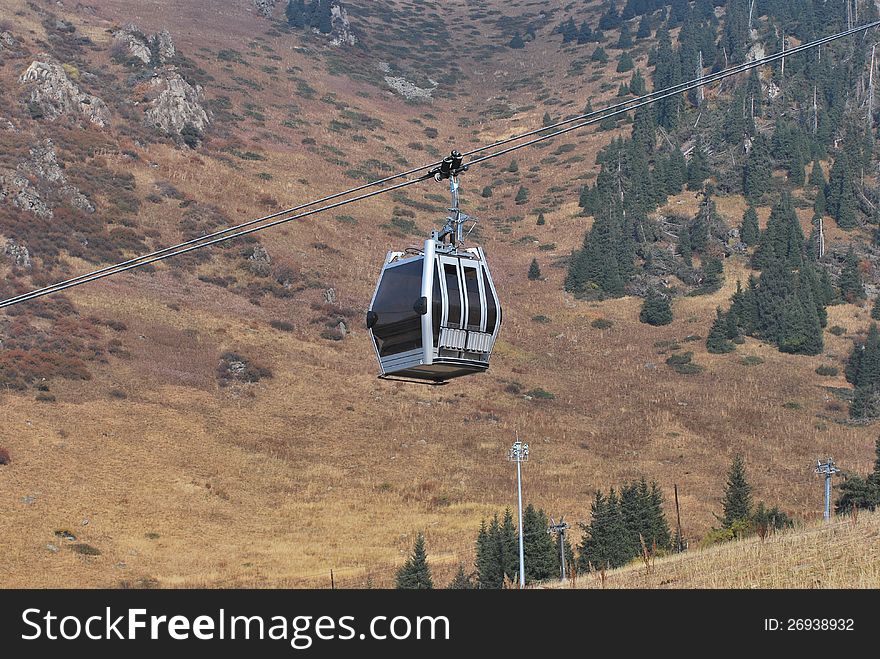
<point>259,262</point>
<point>165,46</point>
<point>177,104</point>
<point>265,7</point>
<point>18,254</point>
<point>44,164</point>
<point>135,43</point>
<point>16,188</point>
<point>22,188</point>
<point>342,33</point>
<point>7,40</point>
<point>54,94</point>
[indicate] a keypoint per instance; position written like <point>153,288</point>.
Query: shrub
<point>601,323</point>
<point>541,318</point>
<point>837,330</point>
<point>751,360</point>
<point>118,394</point>
<point>5,458</point>
<point>828,371</point>
<point>540,394</point>
<point>85,549</point>
<point>235,368</point>
<point>656,310</point>
<point>43,397</point>
<point>682,364</point>
<point>282,325</point>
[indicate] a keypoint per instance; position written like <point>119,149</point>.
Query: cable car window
<point>491,305</point>
<point>472,286</point>
<point>399,327</point>
<point>437,298</point>
<point>453,317</point>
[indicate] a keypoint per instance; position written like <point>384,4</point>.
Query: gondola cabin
<point>435,313</point>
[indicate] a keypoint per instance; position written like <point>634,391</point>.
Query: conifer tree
<point>534,270</point>
<point>585,34</point>
<point>625,40</point>
<point>851,287</point>
<point>698,167</point>
<point>522,196</point>
<point>637,84</point>
<point>758,171</point>
<point>508,546</point>
<point>783,239</point>
<point>540,221</point>
<point>539,551</point>
<point>461,580</point>
<point>625,62</point>
<point>599,55</point>
<point>737,502</point>
<point>516,42</point>
<point>656,310</point>
<point>749,230</point>
<point>415,573</point>
<point>717,341</point>
<point>644,30</point>
<point>875,310</point>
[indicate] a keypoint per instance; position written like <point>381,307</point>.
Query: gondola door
<point>453,320</point>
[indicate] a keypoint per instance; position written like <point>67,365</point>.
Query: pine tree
<point>534,270</point>
<point>539,551</point>
<point>625,40</point>
<point>569,31</point>
<point>737,502</point>
<point>541,221</point>
<point>295,13</point>
<point>599,55</point>
<point>522,196</point>
<point>749,230</point>
<point>625,63</point>
<point>656,310</point>
<point>717,341</point>
<point>461,580</point>
<point>415,573</point>
<point>644,30</point>
<point>508,546</point>
<point>758,171</point>
<point>783,239</point>
<point>817,176</point>
<point>875,310</point>
<point>698,167</point>
<point>637,84</point>
<point>851,287</point>
<point>585,34</point>
<point>516,42</point>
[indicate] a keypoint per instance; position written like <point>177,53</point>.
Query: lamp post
<point>519,453</point>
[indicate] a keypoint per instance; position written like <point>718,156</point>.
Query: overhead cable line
<point>579,121</point>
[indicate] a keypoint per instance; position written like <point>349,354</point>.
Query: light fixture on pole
<point>519,453</point>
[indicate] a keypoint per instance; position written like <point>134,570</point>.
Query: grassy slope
<point>325,467</point>
<point>842,554</point>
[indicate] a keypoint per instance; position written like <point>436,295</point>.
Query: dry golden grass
<point>323,467</point>
<point>840,554</point>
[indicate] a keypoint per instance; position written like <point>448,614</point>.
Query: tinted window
<point>451,273</point>
<point>472,286</point>
<point>399,327</point>
<point>491,305</point>
<point>437,303</point>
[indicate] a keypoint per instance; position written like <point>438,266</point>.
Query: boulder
<point>342,33</point>
<point>18,254</point>
<point>54,94</point>
<point>265,7</point>
<point>176,105</point>
<point>16,188</point>
<point>259,262</point>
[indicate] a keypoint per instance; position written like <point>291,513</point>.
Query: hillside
<point>842,554</point>
<point>215,420</point>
